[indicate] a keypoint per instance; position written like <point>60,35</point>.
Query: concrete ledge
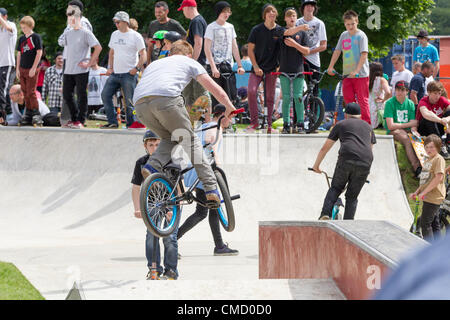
<point>349,252</point>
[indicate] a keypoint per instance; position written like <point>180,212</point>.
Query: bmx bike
<point>314,106</point>
<point>163,194</point>
<point>335,213</point>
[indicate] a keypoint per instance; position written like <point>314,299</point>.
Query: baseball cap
<point>122,16</point>
<point>219,109</point>
<point>149,135</point>
<point>3,11</point>
<point>353,109</point>
<point>401,85</point>
<point>187,3</point>
<point>422,34</point>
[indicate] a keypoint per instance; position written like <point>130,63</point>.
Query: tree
<point>440,18</point>
<point>398,19</point>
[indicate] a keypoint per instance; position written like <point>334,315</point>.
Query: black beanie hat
<point>77,3</point>
<point>219,6</point>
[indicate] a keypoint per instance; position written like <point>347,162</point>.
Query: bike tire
<point>155,190</point>
<point>314,113</point>
<point>225,211</point>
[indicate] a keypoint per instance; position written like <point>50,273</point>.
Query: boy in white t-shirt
<point>401,73</point>
<point>127,56</point>
<point>220,47</point>
<point>96,83</point>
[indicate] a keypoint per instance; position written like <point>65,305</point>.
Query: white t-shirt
<point>61,40</point>
<point>405,75</point>
<point>167,77</point>
<point>222,41</point>
<point>316,33</point>
<point>96,83</point>
<point>126,46</point>
<point>8,45</point>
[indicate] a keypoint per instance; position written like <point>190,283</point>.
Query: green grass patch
<point>14,286</point>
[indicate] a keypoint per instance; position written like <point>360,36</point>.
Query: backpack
<point>51,119</point>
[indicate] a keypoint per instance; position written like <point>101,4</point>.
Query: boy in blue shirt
<point>427,52</point>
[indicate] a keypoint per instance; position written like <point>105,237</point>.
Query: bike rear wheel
<point>314,113</point>
<point>225,211</point>
<point>156,193</point>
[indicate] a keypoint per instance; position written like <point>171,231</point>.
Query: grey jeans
<point>168,118</point>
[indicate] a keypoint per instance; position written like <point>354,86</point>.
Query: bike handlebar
<point>306,73</point>
<point>328,177</point>
<point>237,111</point>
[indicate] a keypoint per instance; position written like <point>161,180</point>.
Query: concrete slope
<point>66,203</point>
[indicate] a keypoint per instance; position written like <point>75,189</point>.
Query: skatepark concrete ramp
<point>66,209</point>
<point>357,255</point>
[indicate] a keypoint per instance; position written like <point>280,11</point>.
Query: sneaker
<point>109,126</point>
<point>251,128</point>
<point>286,129</point>
<point>271,130</point>
<point>136,125</point>
<point>149,275</point>
<point>169,275</point>
<point>444,153</point>
<point>225,251</point>
<point>27,119</point>
<point>76,125</point>
<point>68,124</point>
<point>213,199</point>
<point>325,217</point>
<point>301,128</point>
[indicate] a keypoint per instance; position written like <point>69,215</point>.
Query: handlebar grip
<point>310,169</point>
<point>237,111</point>
<point>308,73</point>
<point>275,73</point>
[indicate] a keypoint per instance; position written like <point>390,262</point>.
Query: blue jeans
<point>116,81</point>
<point>170,252</point>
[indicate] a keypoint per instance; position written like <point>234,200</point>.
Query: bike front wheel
<point>160,213</point>
<point>225,211</point>
<point>314,113</point>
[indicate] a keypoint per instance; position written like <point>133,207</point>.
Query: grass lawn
<point>14,286</point>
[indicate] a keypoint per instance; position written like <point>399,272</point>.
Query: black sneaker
<point>286,129</point>
<point>109,126</point>
<point>301,128</point>
<point>225,251</point>
<point>27,119</point>
<point>169,275</point>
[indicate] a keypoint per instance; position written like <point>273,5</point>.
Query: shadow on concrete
<point>112,207</point>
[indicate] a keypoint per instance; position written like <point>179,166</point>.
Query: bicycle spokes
<point>160,212</point>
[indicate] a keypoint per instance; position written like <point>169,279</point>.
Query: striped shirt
<point>52,86</point>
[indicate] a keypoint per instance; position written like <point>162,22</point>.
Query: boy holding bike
<point>209,136</point>
<point>355,159</point>
<point>292,52</point>
<point>151,143</point>
<point>354,45</point>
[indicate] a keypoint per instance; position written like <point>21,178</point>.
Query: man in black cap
<point>220,48</point>
<point>355,159</point>
<point>426,51</point>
